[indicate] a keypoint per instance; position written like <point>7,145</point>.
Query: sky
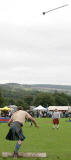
<point>35,48</point>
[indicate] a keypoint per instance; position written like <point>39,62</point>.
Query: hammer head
<point>43,13</point>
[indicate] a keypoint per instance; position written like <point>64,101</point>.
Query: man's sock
<point>17,148</point>
<point>57,126</point>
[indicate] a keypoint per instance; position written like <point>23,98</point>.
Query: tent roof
<point>58,107</point>
<point>6,108</point>
<point>40,108</point>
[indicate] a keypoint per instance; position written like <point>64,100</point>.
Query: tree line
<point>33,98</point>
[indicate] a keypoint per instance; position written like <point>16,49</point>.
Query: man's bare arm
<point>9,122</point>
<point>34,121</point>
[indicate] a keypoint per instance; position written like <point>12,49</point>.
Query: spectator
<point>56,117</point>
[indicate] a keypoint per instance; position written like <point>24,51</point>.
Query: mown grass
<point>56,143</point>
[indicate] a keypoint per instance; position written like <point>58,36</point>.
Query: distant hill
<point>37,87</point>
<point>53,88</point>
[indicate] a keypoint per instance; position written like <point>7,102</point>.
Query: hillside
<point>36,87</point>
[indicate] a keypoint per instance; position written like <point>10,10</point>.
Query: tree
<point>44,99</point>
<point>1,99</point>
<point>28,99</point>
<point>60,100</point>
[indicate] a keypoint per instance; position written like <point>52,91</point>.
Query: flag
<point>47,107</point>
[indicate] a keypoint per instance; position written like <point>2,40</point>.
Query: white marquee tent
<point>40,108</point>
<point>60,108</point>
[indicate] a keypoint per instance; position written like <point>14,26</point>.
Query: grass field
<point>56,143</point>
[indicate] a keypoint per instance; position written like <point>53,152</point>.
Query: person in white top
<point>55,118</point>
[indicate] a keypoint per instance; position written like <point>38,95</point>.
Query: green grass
<point>56,143</point>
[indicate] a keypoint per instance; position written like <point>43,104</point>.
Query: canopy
<point>5,109</point>
<point>39,108</point>
<point>60,108</point>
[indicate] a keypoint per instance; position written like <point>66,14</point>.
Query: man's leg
<point>57,126</point>
<point>17,147</point>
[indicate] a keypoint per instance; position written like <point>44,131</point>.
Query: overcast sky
<point>35,48</point>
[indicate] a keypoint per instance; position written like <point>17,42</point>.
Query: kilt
<point>15,132</point>
<point>56,121</point>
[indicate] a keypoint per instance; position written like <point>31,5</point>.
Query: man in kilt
<point>56,117</point>
<point>15,132</point>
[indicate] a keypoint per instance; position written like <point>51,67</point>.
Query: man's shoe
<point>15,155</point>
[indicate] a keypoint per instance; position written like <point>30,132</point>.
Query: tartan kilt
<point>15,132</point>
<point>56,121</point>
